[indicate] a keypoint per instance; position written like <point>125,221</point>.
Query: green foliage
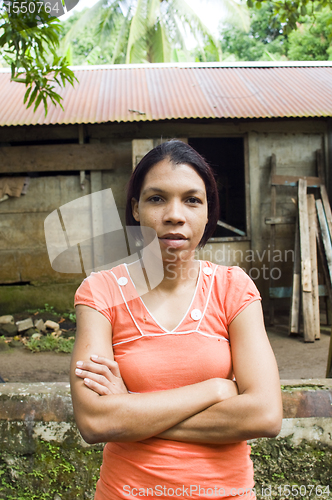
<point>311,40</point>
<point>31,53</point>
<point>264,40</point>
<point>50,309</point>
<point>267,38</point>
<point>50,343</point>
<point>290,12</point>
<point>71,316</point>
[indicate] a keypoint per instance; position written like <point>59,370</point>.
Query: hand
<point>226,388</point>
<point>101,375</point>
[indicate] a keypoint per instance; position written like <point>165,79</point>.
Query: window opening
<point>226,157</point>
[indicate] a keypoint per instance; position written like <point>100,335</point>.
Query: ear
<point>134,208</point>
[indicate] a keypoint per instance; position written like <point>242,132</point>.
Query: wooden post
<point>313,257</point>
<point>327,208</point>
<point>295,304</point>
<point>323,260</point>
<point>328,215</point>
<point>325,237</point>
<point>273,231</point>
<point>308,318</point>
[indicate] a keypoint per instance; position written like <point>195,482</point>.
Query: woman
<point>177,380</point>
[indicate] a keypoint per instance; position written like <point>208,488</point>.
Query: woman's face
<point>173,202</point>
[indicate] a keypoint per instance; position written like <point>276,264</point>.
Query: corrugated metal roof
<point>136,93</point>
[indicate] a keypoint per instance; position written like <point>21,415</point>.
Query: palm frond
<point>108,20</point>
<point>153,12</point>
<point>136,42</point>
<point>159,49</point>
<point>121,39</point>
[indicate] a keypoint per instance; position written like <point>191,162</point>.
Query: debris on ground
<point>38,330</point>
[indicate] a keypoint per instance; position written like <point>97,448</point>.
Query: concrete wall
<point>41,450</point>
<point>23,256</point>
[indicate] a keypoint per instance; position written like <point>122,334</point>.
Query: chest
<point>169,309</point>
<point>167,361</point>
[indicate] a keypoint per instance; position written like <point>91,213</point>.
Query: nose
<point>174,212</point>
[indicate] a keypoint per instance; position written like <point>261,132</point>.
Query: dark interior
<point>226,156</point>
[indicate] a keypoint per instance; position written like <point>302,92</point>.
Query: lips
<point>174,240</point>
<point>173,236</point>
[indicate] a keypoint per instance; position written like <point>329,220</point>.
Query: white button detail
<point>122,281</point>
<point>207,271</point>
<point>196,314</point>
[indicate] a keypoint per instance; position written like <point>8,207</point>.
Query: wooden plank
<point>294,318</point>
<point>325,237</point>
<point>308,316</point>
<point>60,157</point>
<point>231,228</point>
<point>292,180</point>
<point>313,256</point>
<point>304,237</point>
<point>322,256</point>
<point>320,166</point>
<point>280,220</point>
<point>327,208</point>
<point>272,231</point>
<point>326,264</point>
<point>285,292</point>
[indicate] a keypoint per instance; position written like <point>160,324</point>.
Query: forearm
<point>236,419</point>
<point>134,417</point>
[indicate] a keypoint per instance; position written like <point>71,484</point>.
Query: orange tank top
<point>154,359</point>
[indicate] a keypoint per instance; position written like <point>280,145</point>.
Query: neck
<point>179,272</point>
<point>174,273</point>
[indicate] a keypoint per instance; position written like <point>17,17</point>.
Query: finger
<point>94,368</point>
<point>94,377</point>
<point>110,363</point>
<point>98,388</point>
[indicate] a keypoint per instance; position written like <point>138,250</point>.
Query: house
<point>236,114</point>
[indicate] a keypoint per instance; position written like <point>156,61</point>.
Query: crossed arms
<point>214,411</point>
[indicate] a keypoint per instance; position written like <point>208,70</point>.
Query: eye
<point>194,200</point>
<point>155,199</point>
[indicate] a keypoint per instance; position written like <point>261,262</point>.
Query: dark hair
<point>177,152</point>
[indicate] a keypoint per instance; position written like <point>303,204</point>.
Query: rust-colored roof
<point>131,93</point>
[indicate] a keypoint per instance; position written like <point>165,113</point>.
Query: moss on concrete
<point>278,463</point>
<point>304,387</point>
<point>52,471</point>
<point>19,298</point>
<point>67,471</point>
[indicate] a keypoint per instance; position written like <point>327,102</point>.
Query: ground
<point>295,358</point>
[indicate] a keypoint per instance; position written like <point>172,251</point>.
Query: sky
<point>210,12</point>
